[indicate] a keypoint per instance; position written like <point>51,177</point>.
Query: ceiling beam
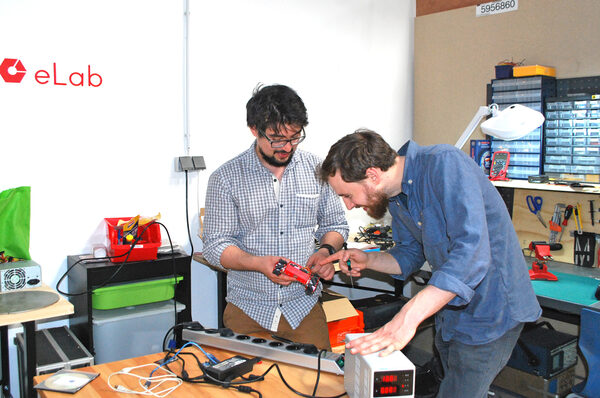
<point>425,7</point>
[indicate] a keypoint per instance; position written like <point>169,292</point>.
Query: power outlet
<point>189,163</point>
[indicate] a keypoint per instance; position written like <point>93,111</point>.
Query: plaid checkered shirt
<point>243,210</point>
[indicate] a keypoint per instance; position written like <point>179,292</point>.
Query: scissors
<point>535,206</point>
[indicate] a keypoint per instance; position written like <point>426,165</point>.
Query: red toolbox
<point>145,249</point>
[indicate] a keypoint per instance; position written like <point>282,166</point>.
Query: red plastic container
<point>145,249</point>
<point>339,329</point>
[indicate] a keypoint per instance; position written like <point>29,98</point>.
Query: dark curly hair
<point>355,153</point>
<point>274,107</point>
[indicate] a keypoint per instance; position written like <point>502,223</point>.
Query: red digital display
<point>392,384</point>
<point>390,390</point>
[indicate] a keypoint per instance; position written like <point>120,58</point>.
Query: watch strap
<point>329,248</point>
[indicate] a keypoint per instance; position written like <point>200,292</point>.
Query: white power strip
<point>295,354</point>
<point>368,376</point>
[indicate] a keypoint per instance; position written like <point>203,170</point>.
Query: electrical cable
<point>187,217</point>
<point>172,356</point>
<point>146,382</point>
<point>206,378</point>
<point>114,274</point>
<point>276,366</point>
<point>5,392</point>
<point>318,371</point>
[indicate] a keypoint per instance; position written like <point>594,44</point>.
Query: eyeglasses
<point>282,143</point>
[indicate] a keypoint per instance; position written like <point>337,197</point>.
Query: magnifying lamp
<point>510,124</point>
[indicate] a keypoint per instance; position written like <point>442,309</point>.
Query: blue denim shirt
<point>450,215</point>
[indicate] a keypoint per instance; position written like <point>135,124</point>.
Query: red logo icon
<point>12,70</point>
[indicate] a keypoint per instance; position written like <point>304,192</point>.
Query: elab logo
<point>13,71</point>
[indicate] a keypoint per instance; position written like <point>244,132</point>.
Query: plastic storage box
<point>504,71</point>
<point>526,152</point>
<point>145,249</point>
<point>534,70</point>
<point>132,331</point>
<point>572,137</point>
<point>128,294</point>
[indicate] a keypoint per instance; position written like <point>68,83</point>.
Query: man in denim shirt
<point>446,212</point>
<point>265,204</point>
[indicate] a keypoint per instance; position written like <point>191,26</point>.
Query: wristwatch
<point>329,248</point>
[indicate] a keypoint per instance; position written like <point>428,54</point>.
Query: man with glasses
<point>268,204</point>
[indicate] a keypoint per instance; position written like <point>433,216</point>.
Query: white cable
<point>155,382</point>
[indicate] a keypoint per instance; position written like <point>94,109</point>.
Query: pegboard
<point>578,85</point>
<point>529,228</point>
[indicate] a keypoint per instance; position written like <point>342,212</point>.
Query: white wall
<point>107,151</point>
<point>349,60</point>
<point>92,152</point>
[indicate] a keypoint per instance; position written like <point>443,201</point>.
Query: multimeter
<point>499,167</point>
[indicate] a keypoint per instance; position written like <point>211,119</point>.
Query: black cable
<point>291,388</point>
<point>193,324</point>
<point>114,274</point>
<point>247,390</point>
<point>318,371</point>
<point>5,391</point>
<point>187,217</point>
<point>174,276</point>
<point>208,379</point>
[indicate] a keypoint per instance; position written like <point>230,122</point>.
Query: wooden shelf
<point>60,308</point>
<point>523,184</point>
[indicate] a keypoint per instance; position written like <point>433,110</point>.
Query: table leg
<point>30,358</point>
<point>5,365</point>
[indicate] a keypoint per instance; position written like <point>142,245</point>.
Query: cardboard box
<point>342,318</point>
<point>336,306</point>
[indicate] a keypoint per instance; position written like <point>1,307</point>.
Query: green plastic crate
<point>128,294</point>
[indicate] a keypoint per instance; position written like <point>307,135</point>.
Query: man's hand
<point>357,259</point>
<point>316,264</point>
<point>398,332</point>
<point>394,335</point>
<point>267,268</point>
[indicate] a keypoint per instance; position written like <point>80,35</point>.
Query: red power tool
<point>300,273</point>
<point>539,269</point>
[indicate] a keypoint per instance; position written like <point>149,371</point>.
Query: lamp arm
<point>481,113</point>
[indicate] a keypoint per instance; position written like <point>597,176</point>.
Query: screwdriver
<point>345,247</point>
<point>350,270</point>
<point>577,211</point>
<point>567,215</point>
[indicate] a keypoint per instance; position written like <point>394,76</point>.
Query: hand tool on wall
<point>555,222</point>
<point>535,206</point>
<point>584,249</point>
<point>566,216</point>
<point>592,210</point>
<point>577,212</point>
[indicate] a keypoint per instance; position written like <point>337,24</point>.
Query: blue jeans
<point>470,369</point>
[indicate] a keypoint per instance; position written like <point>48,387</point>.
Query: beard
<point>378,204</point>
<point>272,160</point>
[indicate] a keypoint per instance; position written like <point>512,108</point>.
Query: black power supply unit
<point>231,368</point>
